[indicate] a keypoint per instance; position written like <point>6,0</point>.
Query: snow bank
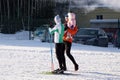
<point>23,35</point>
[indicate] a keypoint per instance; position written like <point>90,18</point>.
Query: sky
<point>113,4</point>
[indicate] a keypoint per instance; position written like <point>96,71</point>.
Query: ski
<point>50,73</point>
<point>64,73</point>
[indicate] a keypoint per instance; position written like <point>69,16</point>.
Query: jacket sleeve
<point>52,30</point>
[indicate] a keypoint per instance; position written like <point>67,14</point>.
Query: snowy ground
<point>27,59</point>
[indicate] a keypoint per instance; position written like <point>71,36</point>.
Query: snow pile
<point>7,36</point>
<point>23,35</point>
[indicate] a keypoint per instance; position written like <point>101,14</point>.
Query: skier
<point>58,31</point>
<point>70,30</point>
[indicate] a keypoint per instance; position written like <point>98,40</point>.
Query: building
<point>101,17</point>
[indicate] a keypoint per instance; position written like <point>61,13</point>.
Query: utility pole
<point>18,9</point>
<point>0,16</point>
<point>8,9</point>
<point>118,23</point>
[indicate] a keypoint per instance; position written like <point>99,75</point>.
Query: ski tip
<point>45,72</point>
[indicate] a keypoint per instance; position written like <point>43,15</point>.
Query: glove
<point>50,30</point>
<point>51,25</point>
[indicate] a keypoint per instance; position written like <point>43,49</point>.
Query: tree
<point>16,15</point>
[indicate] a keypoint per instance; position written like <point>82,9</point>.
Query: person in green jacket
<point>58,31</point>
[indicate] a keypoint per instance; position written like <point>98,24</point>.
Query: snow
<point>27,59</point>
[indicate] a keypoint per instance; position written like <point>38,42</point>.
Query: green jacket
<point>58,32</point>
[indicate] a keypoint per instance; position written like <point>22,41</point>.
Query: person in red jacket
<point>70,30</point>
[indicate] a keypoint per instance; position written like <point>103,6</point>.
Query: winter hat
<point>57,19</point>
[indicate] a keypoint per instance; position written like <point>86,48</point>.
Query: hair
<point>71,15</point>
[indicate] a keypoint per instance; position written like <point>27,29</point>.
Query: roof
<point>90,28</point>
<point>104,20</point>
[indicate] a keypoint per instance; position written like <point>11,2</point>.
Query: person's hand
<point>68,36</point>
<point>50,29</point>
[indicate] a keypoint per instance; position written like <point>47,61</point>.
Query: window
<point>99,16</point>
<point>88,32</point>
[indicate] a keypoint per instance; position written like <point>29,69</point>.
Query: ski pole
<point>52,63</point>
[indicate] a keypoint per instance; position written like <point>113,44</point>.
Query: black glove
<point>51,25</point>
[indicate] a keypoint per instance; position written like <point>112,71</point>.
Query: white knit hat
<point>57,19</point>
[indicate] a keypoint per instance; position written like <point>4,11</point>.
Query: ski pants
<point>67,48</point>
<point>60,54</point>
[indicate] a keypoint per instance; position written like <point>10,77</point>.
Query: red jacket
<point>69,33</point>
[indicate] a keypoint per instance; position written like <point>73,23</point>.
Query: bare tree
<point>29,13</point>
<point>8,9</point>
<point>18,10</point>
<point>0,15</point>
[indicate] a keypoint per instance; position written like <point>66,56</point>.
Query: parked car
<point>91,36</point>
<point>43,33</point>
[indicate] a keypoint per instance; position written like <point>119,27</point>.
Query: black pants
<point>60,54</point>
<point>67,48</point>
